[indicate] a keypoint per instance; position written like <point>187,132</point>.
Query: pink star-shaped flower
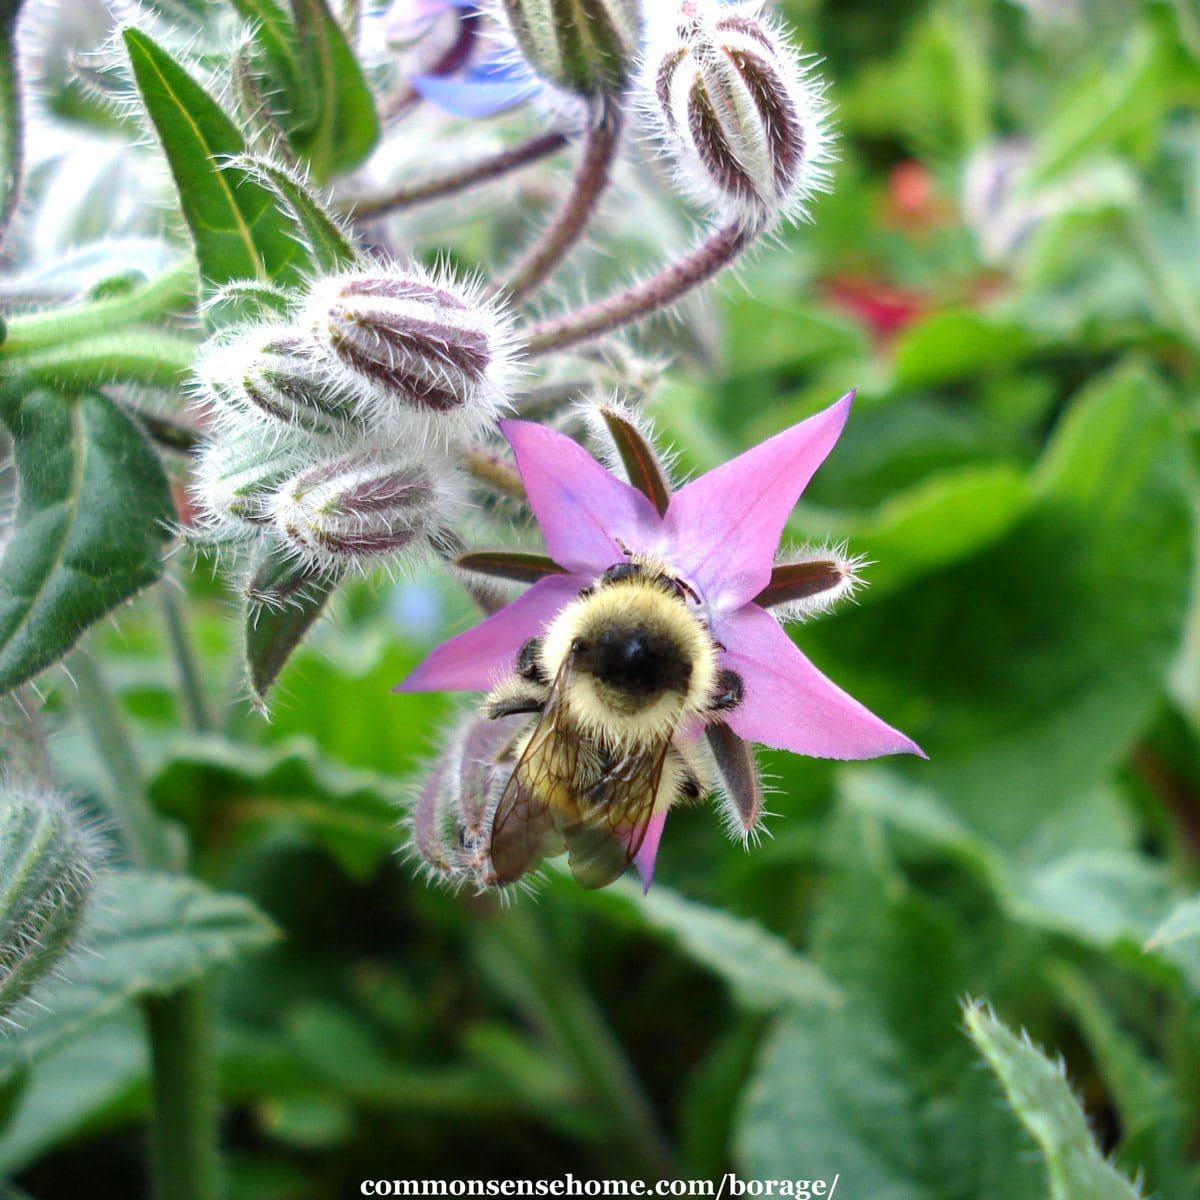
<point>720,534</point>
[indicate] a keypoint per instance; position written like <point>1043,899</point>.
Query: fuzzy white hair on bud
<point>234,477</point>
<point>48,861</point>
<point>275,376</point>
<point>365,506</point>
<point>740,113</point>
<point>430,358</point>
<point>451,810</point>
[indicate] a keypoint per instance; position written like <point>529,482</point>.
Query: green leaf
<point>1152,1115</point>
<point>540,1083</point>
<point>955,514</point>
<point>93,516</point>
<point>148,935</point>
<point>1040,1096</point>
<point>1183,921</point>
<point>841,1092</point>
<point>1103,899</point>
<point>238,228</point>
<point>283,601</point>
<point>316,89</point>
<point>275,35</point>
<point>1114,99</point>
<point>328,247</point>
<point>962,344</point>
<point>345,128</point>
<point>72,1087</point>
<point>12,1093</point>
<point>352,814</point>
<point>1038,661</point>
<point>762,970</point>
<point>712,1097</point>
<point>832,1098</point>
<point>1078,879</point>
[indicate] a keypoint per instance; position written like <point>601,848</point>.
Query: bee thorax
<point>638,664</point>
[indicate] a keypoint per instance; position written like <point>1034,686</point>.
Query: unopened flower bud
<point>586,47</point>
<point>234,481</point>
<point>743,118</point>
<point>428,358</point>
<point>364,505</point>
<point>277,375</point>
<point>450,814</point>
<point>47,864</point>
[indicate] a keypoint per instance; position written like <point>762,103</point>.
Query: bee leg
<point>513,703</point>
<point>689,787</point>
<point>728,693</point>
<point>528,666</point>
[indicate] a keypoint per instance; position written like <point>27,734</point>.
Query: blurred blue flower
<point>487,87</point>
<point>467,81</point>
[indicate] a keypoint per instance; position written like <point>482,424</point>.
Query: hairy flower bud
<point>450,814</point>
<point>364,505</point>
<point>234,481</point>
<point>47,863</point>
<point>277,375</point>
<point>586,47</point>
<point>429,358</point>
<point>743,118</point>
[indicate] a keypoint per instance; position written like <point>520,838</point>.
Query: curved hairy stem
<point>494,166</point>
<point>591,178</point>
<point>642,299</point>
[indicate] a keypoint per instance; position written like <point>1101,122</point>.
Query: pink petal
<point>582,508</point>
<point>476,659</point>
<point>648,853</point>
<point>789,705</point>
<point>724,528</point>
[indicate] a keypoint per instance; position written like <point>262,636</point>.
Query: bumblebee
<point>610,685</point>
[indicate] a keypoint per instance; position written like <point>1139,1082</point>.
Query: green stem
<point>495,472</point>
<point>24,746</point>
<point>194,702</point>
<point>187,1162</point>
<point>136,825</point>
<point>141,356</point>
<point>12,125</point>
<point>167,293</point>
<point>560,1003</point>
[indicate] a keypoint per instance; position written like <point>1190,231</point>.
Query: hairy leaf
<point>93,516</point>
<point>1041,1097</point>
<point>239,229</point>
<point>148,935</point>
<point>283,601</point>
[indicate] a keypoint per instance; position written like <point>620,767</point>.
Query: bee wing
<point>525,828</point>
<point>610,830</point>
